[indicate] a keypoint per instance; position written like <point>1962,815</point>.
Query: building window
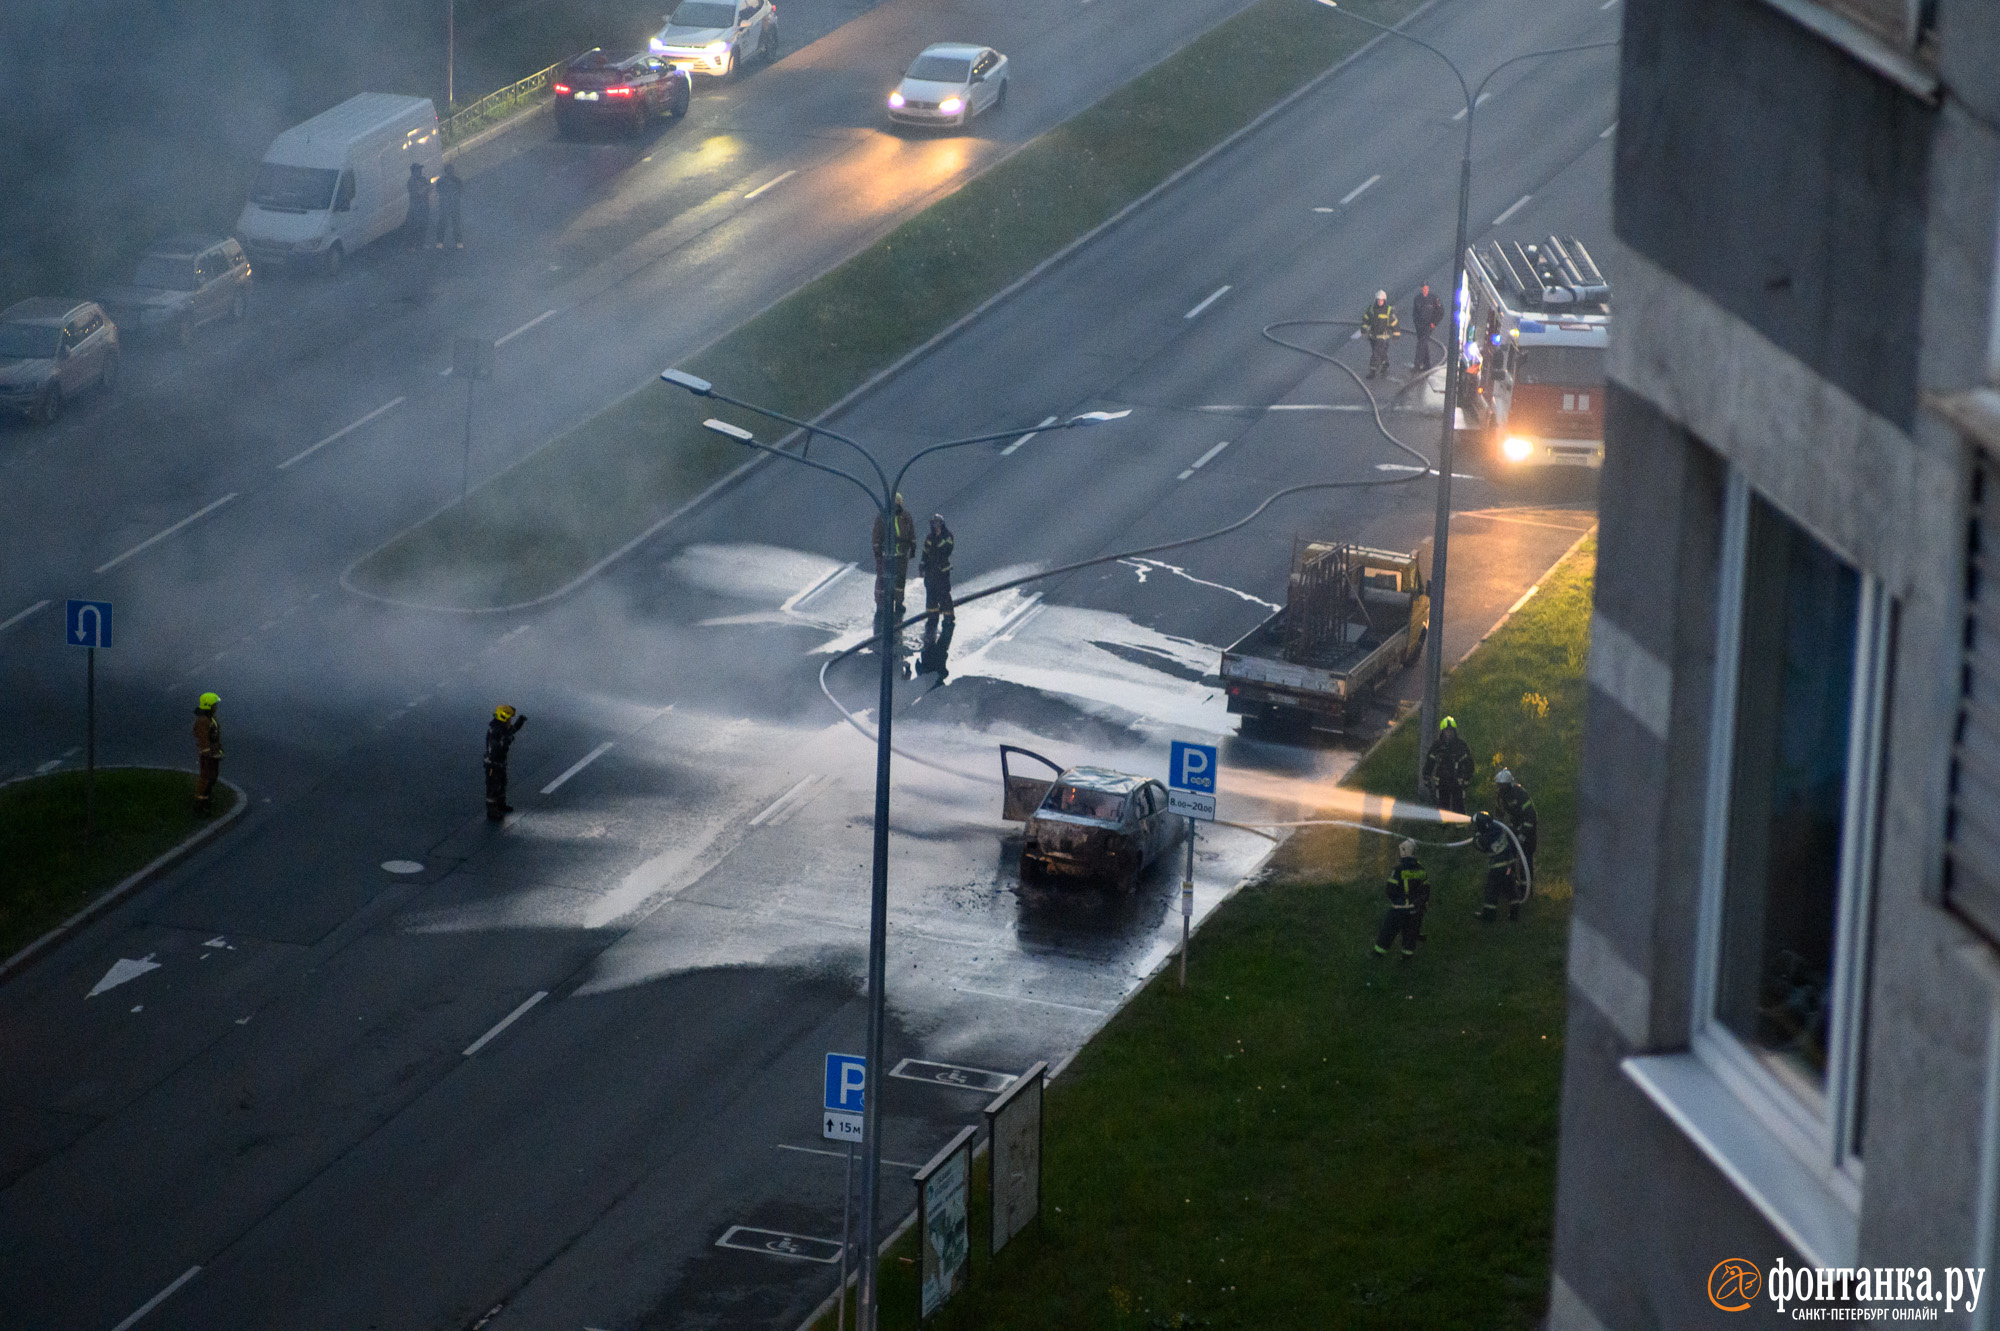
<point>1972,834</point>
<point>1803,645</point>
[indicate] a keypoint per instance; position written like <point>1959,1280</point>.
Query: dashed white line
<point>1609,130</point>
<point>1322,210</point>
<point>770,184</point>
<point>1607,4</point>
<point>1202,461</point>
<point>156,539</point>
<point>503,341</point>
<point>779,802</point>
<point>505,1022</point>
<point>1289,406</point>
<point>1480,100</point>
<point>1358,190</point>
<point>1515,207</point>
<point>1213,297</point>
<point>578,766</point>
<point>33,609</point>
<point>157,1299</point>
<point>1030,434</point>
<point>341,433</point>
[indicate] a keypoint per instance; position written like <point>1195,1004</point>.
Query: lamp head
<point>728,431</point>
<point>694,384</point>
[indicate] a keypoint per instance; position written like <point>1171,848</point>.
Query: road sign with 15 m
<point>846,1093</point>
<point>1192,767</point>
<point>89,624</point>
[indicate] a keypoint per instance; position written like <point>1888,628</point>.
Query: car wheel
<point>680,103</point>
<point>1000,98</point>
<point>769,51</point>
<point>640,115</point>
<point>330,265</point>
<point>51,405</point>
<point>734,69</point>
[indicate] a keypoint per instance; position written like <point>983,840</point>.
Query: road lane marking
<point>1404,466</point>
<point>1516,207</point>
<point>805,594</point>
<point>578,766</point>
<point>1213,297</point>
<point>1290,406</point>
<point>777,1243</point>
<point>155,540</point>
<point>1039,1002</point>
<point>770,184</point>
<point>1322,210</point>
<point>811,793</point>
<point>503,341</point>
<point>1045,424</point>
<point>390,405</point>
<point>505,1022</point>
<point>842,1155</point>
<point>36,607</point>
<point>951,1074</point>
<point>1611,128</point>
<point>1202,461</point>
<point>1483,98</point>
<point>1606,5</point>
<point>779,802</point>
<point>1358,191</point>
<point>157,1299</point>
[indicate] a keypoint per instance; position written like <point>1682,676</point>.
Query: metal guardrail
<point>497,106</point>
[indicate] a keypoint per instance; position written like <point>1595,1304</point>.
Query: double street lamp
<point>1441,531</point>
<point>882,492</point>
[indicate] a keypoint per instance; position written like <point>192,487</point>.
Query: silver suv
<point>182,283</point>
<point>52,349</point>
<point>719,37</point>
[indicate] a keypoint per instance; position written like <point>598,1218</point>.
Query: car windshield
<point>702,14</point>
<point>941,69</point>
<point>170,273</point>
<point>1082,802</point>
<point>29,341</point>
<point>1577,367</point>
<point>294,189</point>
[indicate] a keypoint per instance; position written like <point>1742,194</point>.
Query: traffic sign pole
<point>846,1215</point>
<point>89,744</point>
<point>1187,903</point>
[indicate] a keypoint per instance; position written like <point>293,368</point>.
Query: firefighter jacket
<point>207,735</point>
<point>905,542</point>
<point>936,561</point>
<point>1409,887</point>
<point>1489,836</point>
<point>1428,311</point>
<point>500,738</point>
<point>1378,320</point>
<point>1449,762</point>
<point>1518,812</point>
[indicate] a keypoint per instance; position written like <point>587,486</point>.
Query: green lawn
<point>47,873</point>
<point>540,524</point>
<point>1308,1136</point>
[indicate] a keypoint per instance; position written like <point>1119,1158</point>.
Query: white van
<point>331,185</point>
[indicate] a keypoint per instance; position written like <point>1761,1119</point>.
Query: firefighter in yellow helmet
<point>207,750</point>
<point>892,560</point>
<point>500,732</point>
<point>1448,767</point>
<point>1378,325</point>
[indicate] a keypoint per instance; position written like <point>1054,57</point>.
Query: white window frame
<point>1816,1126</point>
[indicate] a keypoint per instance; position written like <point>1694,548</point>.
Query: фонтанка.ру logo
<point>1734,1284</point>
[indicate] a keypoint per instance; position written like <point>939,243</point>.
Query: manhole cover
<point>402,866</point>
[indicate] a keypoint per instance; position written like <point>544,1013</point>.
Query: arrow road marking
<point>122,970</point>
<point>151,541</point>
<point>505,1022</point>
<point>157,1299</point>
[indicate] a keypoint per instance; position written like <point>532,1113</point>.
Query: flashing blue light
<point>1533,326</point>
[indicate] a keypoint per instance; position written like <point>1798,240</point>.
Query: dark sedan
<point>630,92</point>
<point>1088,822</point>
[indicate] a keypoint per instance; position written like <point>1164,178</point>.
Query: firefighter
<point>892,561</point>
<point>1409,890</point>
<point>207,749</point>
<point>500,732</point>
<point>1427,312</point>
<point>1378,325</point>
<point>1503,868</point>
<point>935,567</point>
<point>417,224</point>
<point>1448,767</point>
<point>1518,812</point>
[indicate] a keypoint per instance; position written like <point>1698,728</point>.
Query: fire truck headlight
<point>1516,448</point>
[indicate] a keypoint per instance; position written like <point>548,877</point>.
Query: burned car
<point>1087,822</point>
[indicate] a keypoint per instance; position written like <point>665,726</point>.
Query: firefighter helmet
<point>503,713</point>
<point>207,702</point>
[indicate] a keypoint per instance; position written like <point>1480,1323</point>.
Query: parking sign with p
<point>846,1094</point>
<point>1192,767</point>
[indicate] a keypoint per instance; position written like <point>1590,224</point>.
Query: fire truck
<point>1536,320</point>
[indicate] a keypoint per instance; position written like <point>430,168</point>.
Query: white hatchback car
<point>949,84</point>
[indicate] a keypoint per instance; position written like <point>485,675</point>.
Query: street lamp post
<point>884,500</point>
<point>1441,529</point>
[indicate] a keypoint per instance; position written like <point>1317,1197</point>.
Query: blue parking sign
<point>1192,767</point>
<point>846,1082</point>
<point>88,624</point>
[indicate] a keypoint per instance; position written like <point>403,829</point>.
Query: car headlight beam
<point>1516,448</point>
<point>896,100</point>
<point>951,106</point>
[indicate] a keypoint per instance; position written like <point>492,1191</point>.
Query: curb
<point>111,896</point>
<point>908,358</point>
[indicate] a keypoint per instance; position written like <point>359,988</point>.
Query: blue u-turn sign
<point>88,624</point>
<point>1192,767</point>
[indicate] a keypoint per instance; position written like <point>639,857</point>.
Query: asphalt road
<point>338,1100</point>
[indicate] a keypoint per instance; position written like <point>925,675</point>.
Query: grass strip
<point>1309,1136</point>
<point>542,523</point>
<point>47,873</point>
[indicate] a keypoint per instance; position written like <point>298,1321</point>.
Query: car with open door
<point>1086,822</point>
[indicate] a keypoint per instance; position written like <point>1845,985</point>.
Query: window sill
<point>1812,1217</point>
<point>1898,66</point>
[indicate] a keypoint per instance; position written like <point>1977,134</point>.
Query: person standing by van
<point>450,189</point>
<point>417,225</point>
